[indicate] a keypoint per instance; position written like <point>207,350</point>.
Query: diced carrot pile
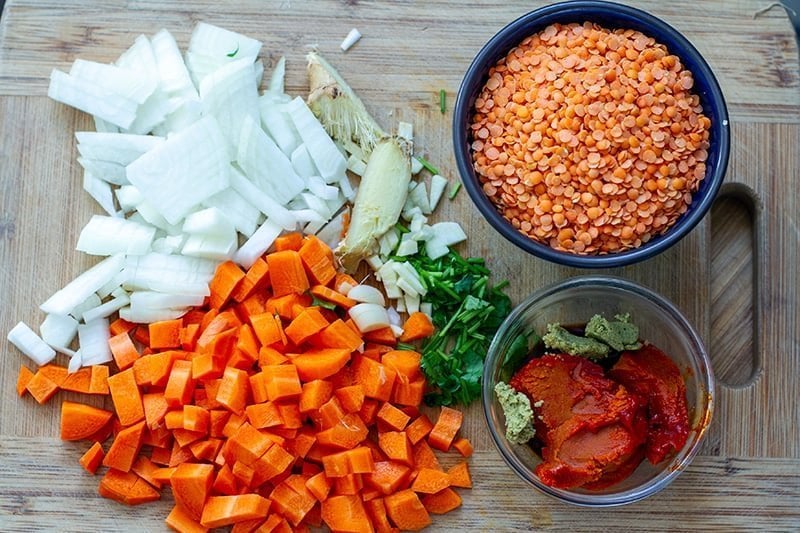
<point>266,413</point>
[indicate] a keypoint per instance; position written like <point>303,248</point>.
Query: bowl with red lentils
<point>591,134</point>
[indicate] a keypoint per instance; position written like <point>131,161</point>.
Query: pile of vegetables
<point>269,390</point>
<point>263,409</point>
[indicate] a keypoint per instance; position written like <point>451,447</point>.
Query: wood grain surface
<point>739,277</point>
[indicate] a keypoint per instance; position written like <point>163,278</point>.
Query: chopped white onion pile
<point>187,160</point>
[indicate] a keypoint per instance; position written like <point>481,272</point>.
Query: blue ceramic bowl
<point>609,15</point>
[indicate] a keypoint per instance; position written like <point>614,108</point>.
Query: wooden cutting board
<point>735,276</point>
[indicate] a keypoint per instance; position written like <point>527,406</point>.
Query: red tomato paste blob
<point>650,373</point>
<point>595,426</point>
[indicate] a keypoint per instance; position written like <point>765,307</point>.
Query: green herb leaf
<point>519,349</point>
<point>323,303</point>
<point>233,54</point>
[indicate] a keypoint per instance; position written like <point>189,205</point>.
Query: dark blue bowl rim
<point>580,11</point>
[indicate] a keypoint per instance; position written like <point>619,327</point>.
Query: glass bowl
<point>573,301</point>
<point>609,15</point>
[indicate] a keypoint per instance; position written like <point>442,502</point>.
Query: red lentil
<point>590,140</point>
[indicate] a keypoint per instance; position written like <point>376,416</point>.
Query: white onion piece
<point>444,234</point>
<point>449,233</point>
<point>230,94</point>
<point>394,317</point>
<point>116,80</point>
<point>407,274</point>
<point>302,163</point>
<point>321,190</point>
<point>150,215</point>
<point>214,247</point>
<point>31,344</point>
<point>388,277</point>
<point>396,330</point>
<point>172,274</point>
<point>427,308</point>
<point>317,204</point>
<point>108,171</point>
<point>277,79</point>
<point>103,126</point>
<point>93,338</point>
<point>438,185</point>
<point>308,215</point>
<point>352,38</point>
<point>356,165</point>
<point>369,317</point>
<point>412,303</point>
<point>106,309</point>
<point>417,222</point>
<point>243,215</point>
<point>89,97</point>
<point>160,300</point>
<point>187,113</point>
<point>266,165</point>
<point>278,125</point>
<point>140,59</point>
<point>172,71</point>
<point>100,191</point>
<point>347,189</point>
<point>214,41</point>
<point>144,315</point>
<point>183,171</point>
<point>153,112</point>
<point>92,301</point>
<point>257,244</point>
<point>120,148</point>
<point>366,294</point>
<point>344,288</point>
<point>407,247</point>
<point>208,221</point>
<point>331,233</point>
<point>75,362</point>
<point>375,262</point>
<point>112,285</point>
<point>110,235</point>
<point>128,197</point>
<point>58,330</point>
<point>388,242</point>
<point>211,47</point>
<point>326,156</point>
<point>79,289</point>
<point>274,211</point>
<point>406,287</point>
<point>171,244</point>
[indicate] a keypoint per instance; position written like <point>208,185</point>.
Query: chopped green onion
<point>322,303</point>
<point>233,54</point>
<point>442,97</point>
<point>430,168</point>
<point>454,190</point>
<point>466,311</point>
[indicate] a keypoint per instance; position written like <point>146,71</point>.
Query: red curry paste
<point>595,427</point>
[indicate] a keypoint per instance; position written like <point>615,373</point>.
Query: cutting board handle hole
<point>736,238</point>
